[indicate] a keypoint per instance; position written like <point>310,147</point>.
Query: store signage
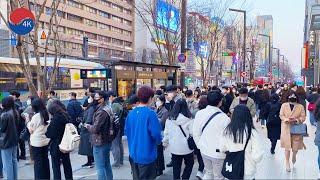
<point>95,73</point>
<point>144,75</point>
<point>21,21</point>
<point>160,75</point>
<point>312,38</point>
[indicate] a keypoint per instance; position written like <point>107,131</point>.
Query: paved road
<point>271,167</point>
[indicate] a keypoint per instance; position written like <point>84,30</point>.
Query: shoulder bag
<point>299,129</point>
<point>191,143</point>
<point>233,165</point>
<point>214,115</point>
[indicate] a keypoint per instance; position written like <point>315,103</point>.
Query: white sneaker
<point>199,175</point>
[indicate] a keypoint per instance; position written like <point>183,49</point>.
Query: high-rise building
<point>4,31</point>
<point>108,25</point>
<point>265,26</point>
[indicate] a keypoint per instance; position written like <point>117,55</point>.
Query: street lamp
<point>270,61</point>
<point>244,36</point>
<point>278,62</point>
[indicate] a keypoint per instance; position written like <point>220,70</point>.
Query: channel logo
<point>21,21</point>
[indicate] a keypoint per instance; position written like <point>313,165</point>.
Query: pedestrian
<point>51,98</point>
<point>317,138</point>
<point>9,121</point>
<point>264,99</point>
<point>133,102</point>
<point>19,108</point>
<point>38,140</point>
<point>312,99</point>
<point>177,130</point>
<point>55,132</point>
<point>284,94</point>
<point>115,103</point>
<point>240,134</point>
<point>244,99</point>
<point>163,115</point>
<point>259,99</point>
<point>203,103</point>
<point>302,96</point>
<point>101,139</point>
<point>89,93</point>
<point>272,114</point>
<point>291,113</point>
<point>85,146</point>
<point>228,98</point>
<point>143,131</point>
<point>75,110</point>
<point>192,103</point>
<point>208,123</point>
<point>27,116</point>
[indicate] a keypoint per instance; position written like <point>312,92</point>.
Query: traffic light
<point>228,54</point>
<point>85,47</point>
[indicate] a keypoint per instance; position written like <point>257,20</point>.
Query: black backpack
<point>233,165</point>
<point>114,127</point>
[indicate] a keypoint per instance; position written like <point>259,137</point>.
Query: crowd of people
<point>179,120</point>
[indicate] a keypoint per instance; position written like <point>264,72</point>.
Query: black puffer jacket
<point>9,121</point>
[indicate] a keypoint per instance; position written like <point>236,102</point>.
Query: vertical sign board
<point>76,81</point>
<point>42,36</point>
<point>190,62</point>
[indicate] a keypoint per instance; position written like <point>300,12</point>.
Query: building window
<point>127,33</point>
<point>90,22</point>
<point>91,36</point>
<point>48,11</point>
<point>126,22</point>
<point>117,53</point>
<point>90,9</point>
<point>105,2</point>
<point>127,11</point>
<point>103,26</point>
<point>60,13</point>
<point>117,30</point>
<point>116,7</point>
<point>75,46</point>
<point>74,4</point>
<point>127,44</point>
<point>93,49</point>
<point>74,32</point>
<point>117,19</point>
<point>75,18</point>
<point>117,42</point>
<point>104,39</point>
<point>104,14</point>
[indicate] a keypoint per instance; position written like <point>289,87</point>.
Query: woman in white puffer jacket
<point>235,137</point>
<point>177,130</point>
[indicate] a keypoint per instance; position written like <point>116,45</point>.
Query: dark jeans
<point>22,146</point>
<point>273,144</point>
<point>117,149</point>
<point>41,162</point>
<point>143,171</point>
<point>177,163</point>
<point>200,160</point>
<point>90,159</point>
<point>160,160</point>
<point>56,161</point>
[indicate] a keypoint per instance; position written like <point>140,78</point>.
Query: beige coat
<point>288,141</point>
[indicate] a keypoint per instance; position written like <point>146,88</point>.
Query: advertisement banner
<point>76,82</point>
<point>190,62</point>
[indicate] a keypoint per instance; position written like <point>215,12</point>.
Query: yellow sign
<point>43,35</point>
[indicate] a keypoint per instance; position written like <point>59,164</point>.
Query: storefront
<point>130,76</point>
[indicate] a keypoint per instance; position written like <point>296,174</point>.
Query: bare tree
<point>166,39</point>
<point>45,79</point>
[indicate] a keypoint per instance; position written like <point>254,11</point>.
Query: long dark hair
<point>180,106</point>
<point>38,106</point>
<point>57,107</point>
<point>8,104</point>
<point>241,122</point>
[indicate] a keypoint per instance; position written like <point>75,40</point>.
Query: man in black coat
<point>227,100</point>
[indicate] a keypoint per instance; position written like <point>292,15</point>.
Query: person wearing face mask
<point>172,97</point>
<point>227,100</point>
<point>162,114</point>
<point>244,99</point>
<point>85,147</point>
<point>291,113</point>
<point>284,94</point>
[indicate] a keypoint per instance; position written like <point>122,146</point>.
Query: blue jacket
<point>74,110</point>
<point>143,131</point>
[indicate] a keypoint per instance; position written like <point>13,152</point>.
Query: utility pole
<point>183,35</point>
<point>244,38</point>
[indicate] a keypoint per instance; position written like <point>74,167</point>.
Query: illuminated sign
<point>167,16</point>
<point>95,73</point>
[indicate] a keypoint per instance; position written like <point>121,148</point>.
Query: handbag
<point>233,165</point>
<point>190,141</point>
<point>25,134</point>
<point>299,129</point>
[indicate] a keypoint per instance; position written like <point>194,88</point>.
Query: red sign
<point>243,74</point>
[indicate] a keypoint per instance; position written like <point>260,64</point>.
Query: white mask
<point>90,100</point>
<point>158,104</point>
<point>29,102</point>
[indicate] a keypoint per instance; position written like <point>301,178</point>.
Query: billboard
<point>95,73</point>
<point>167,16</point>
<point>202,49</point>
<point>76,81</point>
